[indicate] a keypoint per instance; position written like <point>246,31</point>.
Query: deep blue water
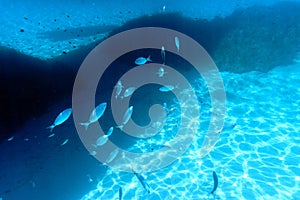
<point>224,79</point>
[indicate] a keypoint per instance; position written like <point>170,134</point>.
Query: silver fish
<point>119,88</point>
<point>95,115</point>
<point>177,43</point>
<point>110,131</point>
<point>163,54</point>
<point>103,139</point>
<point>167,88</point>
<point>142,60</point>
<point>112,155</point>
<point>129,91</point>
<point>126,117</point>
<point>65,142</point>
<point>161,72</point>
<point>89,178</point>
<point>61,118</point>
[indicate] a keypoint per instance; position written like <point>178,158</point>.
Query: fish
<point>129,91</point>
<point>110,131</point>
<point>89,178</point>
<point>126,117</point>
<point>61,118</point>
<point>177,43</point>
<point>112,155</point>
<point>10,139</point>
<point>161,72</point>
<point>65,142</point>
<point>167,88</point>
<point>103,139</point>
<point>95,115</point>
<point>216,182</point>
<point>120,193</point>
<point>142,181</point>
<point>142,60</point>
<point>119,88</point>
<point>163,54</point>
<point>49,136</point>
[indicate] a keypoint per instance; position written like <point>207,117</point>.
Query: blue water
<point>255,154</point>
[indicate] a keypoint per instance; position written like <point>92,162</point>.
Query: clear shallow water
<point>256,159</point>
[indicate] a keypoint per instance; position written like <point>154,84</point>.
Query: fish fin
<point>51,128</point>
<point>85,124</point>
<point>120,127</point>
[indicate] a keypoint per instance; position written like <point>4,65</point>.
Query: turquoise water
<point>255,155</point>
<point>255,159</point>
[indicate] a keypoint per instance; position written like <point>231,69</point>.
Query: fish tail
<point>149,59</point>
<point>85,124</point>
<point>51,128</point>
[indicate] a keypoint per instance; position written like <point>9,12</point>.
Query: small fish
<point>32,184</point>
<point>177,43</point>
<point>161,72</point>
<point>142,181</point>
<point>101,140</point>
<point>110,131</point>
<point>95,115</point>
<point>112,155</point>
<point>61,118</point>
<point>164,8</point>
<point>167,88</point>
<point>119,88</point>
<point>129,91</point>
<point>216,181</point>
<point>142,60</point>
<point>126,117</point>
<point>10,139</point>
<point>89,178</point>
<point>65,142</point>
<point>49,136</point>
<point>163,54</point>
<point>120,193</point>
